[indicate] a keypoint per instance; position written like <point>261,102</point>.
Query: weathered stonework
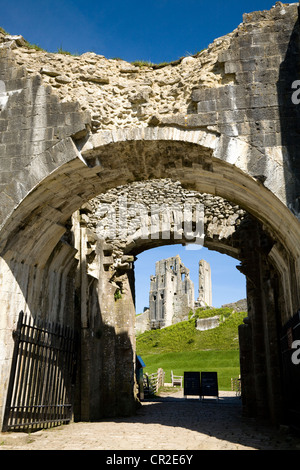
<point>171,295</point>
<point>203,324</point>
<point>102,216</point>
<point>205,291</point>
<point>223,123</point>
<point>239,306</point>
<point>142,322</point>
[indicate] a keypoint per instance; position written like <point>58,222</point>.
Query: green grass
<point>36,47</point>
<point>142,63</point>
<point>60,50</point>
<point>181,347</point>
<point>225,363</point>
<point>184,337</point>
<point>206,312</point>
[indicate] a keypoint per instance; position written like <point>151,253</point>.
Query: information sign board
<point>192,383</point>
<point>209,384</point>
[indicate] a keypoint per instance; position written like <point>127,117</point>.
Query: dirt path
<point>166,423</point>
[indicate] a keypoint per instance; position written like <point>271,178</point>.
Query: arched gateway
<point>224,122</point>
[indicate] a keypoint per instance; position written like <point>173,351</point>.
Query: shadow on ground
<point>220,418</point>
<point>166,422</point>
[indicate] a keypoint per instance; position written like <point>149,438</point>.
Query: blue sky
<point>228,284</point>
<point>155,31</point>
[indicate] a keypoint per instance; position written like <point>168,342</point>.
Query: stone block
<point>266,100</point>
<point>104,80</point>
<point>5,176</point>
<point>55,120</point>
<point>228,56</point>
<point>266,76</point>
<point>19,40</point>
<point>202,119</point>
<point>232,67</point>
<point>49,71</point>
<point>67,107</point>
<point>277,49</point>
<point>203,94</point>
<point>63,79</point>
<point>261,37</point>
<point>15,84</point>
<point>203,324</point>
<point>245,78</point>
<point>231,116</point>
<point>3,125</point>
<point>263,114</point>
<point>10,137</point>
<point>252,52</point>
<point>206,106</point>
<point>14,149</point>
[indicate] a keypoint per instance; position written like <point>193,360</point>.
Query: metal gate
<point>42,378</point>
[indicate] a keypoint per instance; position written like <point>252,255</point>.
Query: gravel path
<point>169,422</point>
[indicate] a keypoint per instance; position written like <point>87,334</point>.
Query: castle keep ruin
<point>171,296</point>
<point>220,127</point>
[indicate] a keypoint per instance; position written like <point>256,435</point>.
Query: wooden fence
<point>42,376</point>
<point>153,382</point>
<point>236,385</point>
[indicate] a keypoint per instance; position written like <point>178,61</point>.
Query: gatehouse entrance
<point>229,138</point>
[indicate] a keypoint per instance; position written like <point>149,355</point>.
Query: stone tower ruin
<point>171,294</point>
<point>205,292</point>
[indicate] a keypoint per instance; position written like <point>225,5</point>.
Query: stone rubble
<point>118,93</point>
<point>221,218</point>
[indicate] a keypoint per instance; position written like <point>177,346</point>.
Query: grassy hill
<point>181,347</point>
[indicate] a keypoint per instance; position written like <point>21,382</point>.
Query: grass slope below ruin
<point>182,347</point>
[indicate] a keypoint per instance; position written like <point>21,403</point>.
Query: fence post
<point>16,336</point>
<point>160,378</point>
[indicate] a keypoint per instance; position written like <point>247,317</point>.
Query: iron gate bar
<point>42,375</point>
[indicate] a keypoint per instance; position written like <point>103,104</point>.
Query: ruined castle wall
<point>241,72</point>
<point>223,122</point>
<point>171,295</point>
<point>119,94</point>
<point>119,215</point>
<point>205,291</point>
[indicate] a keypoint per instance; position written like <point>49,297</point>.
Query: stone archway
<point>223,139</point>
<point>36,251</point>
<point>247,241</point>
